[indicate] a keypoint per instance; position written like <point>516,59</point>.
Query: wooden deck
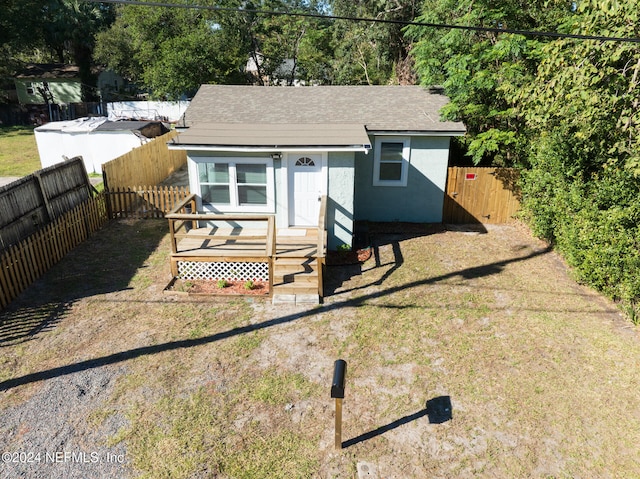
<point>247,243</point>
<point>242,246</point>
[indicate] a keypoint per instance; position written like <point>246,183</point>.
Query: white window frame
<point>234,206</point>
<point>406,154</point>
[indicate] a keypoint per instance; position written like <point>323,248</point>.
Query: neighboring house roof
<point>377,108</point>
<point>85,125</point>
<point>48,71</point>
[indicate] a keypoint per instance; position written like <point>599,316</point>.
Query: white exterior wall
<point>340,200</point>
<point>95,147</point>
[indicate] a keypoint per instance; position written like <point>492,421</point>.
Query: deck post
<point>174,242</point>
<point>271,250</point>
<point>194,223</point>
<point>320,265</point>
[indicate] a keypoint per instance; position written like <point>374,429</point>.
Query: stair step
<point>295,290</point>
<point>292,268</point>
<point>295,277</point>
<point>294,260</point>
<point>296,298</point>
<point>301,282</point>
<point>290,276</point>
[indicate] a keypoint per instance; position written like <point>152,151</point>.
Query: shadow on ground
<point>486,270</point>
<point>371,237</point>
<point>105,263</point>
<point>438,410</point>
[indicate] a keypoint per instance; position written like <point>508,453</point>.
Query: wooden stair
<point>296,280</point>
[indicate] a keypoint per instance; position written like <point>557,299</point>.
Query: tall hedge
<point>592,218</point>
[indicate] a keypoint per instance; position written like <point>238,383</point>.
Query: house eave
<point>417,133</point>
<point>269,148</point>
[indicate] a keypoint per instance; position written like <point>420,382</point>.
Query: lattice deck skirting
<point>238,271</point>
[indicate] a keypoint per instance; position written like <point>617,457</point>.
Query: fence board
<point>8,291</point>
<point>23,263</point>
<point>34,200</point>
<point>481,195</point>
<point>148,164</point>
<point>144,201</point>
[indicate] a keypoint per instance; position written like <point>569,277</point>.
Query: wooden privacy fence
<point>24,262</point>
<point>148,164</point>
<point>35,200</point>
<point>144,201</point>
<point>481,195</point>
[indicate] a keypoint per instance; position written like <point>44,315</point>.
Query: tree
<point>69,30</point>
<point>481,70</point>
<point>373,53</point>
<point>582,188</point>
<point>172,51</point>
<point>296,47</point>
<point>588,89</point>
<point>63,29</point>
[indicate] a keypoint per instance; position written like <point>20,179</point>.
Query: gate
<point>481,195</point>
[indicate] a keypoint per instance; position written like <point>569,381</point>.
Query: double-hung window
<point>391,161</point>
<point>237,184</point>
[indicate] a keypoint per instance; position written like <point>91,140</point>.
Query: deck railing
<point>322,243</point>
<point>184,217</point>
<point>322,227</point>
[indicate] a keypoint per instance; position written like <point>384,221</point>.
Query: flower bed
<point>206,287</point>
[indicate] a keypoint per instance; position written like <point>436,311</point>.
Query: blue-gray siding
<point>421,201</point>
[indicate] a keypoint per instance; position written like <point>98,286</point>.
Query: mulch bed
<point>206,287</point>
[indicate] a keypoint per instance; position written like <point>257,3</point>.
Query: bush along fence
<point>26,261</point>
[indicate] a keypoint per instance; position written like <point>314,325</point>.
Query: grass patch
<point>18,151</point>
<point>181,437</point>
<point>280,388</point>
<point>175,436</point>
<point>242,346</point>
<point>284,455</point>
<point>543,380</point>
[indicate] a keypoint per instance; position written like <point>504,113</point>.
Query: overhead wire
<point>529,33</point>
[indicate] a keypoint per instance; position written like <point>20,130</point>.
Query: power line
<point>529,33</point>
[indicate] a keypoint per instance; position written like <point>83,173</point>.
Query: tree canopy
<point>52,30</point>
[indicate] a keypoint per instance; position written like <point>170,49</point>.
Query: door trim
<point>287,171</point>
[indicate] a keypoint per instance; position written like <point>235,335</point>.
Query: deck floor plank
<point>242,242</point>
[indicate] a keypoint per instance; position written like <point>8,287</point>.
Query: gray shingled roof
<point>378,108</point>
<point>281,135</point>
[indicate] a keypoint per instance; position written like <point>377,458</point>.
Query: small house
<point>379,153</point>
<point>346,153</point>
<point>44,83</point>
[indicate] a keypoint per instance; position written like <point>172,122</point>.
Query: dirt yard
<point>468,355</point>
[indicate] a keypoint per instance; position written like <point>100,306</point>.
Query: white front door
<point>306,185</point>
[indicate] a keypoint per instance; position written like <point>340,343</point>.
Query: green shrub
<point>593,222</point>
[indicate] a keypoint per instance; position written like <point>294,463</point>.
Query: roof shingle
<point>378,108</point>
